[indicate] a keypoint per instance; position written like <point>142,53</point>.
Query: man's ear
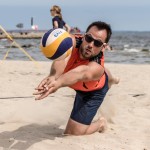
<point>104,47</point>
<point>109,47</point>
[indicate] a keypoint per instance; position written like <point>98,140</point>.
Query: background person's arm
<point>55,24</point>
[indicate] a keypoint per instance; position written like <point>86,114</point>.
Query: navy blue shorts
<point>86,104</point>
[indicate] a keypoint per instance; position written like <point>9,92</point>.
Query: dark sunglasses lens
<point>98,43</point>
<point>88,38</point>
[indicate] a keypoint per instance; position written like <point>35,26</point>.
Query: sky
<point>122,15</point>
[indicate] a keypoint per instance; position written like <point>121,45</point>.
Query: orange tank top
<point>75,61</point>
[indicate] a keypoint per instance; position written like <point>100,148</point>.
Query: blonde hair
<point>57,9</point>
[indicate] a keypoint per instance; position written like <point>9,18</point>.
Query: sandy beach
<point>26,124</point>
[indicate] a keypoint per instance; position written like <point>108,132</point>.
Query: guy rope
<point>16,44</point>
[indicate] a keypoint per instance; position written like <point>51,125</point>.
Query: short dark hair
<point>101,26</point>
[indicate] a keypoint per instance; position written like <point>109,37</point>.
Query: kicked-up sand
<point>26,124</point>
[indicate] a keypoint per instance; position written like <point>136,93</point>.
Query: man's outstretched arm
<point>89,72</point>
<point>57,69</point>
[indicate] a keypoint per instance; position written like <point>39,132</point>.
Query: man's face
<point>89,47</point>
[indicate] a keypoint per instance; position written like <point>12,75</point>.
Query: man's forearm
<point>81,73</point>
<point>71,78</point>
<point>57,68</point>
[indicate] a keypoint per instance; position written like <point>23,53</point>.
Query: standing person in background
<point>57,20</point>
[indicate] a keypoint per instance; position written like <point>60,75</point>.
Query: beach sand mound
<point>26,124</point>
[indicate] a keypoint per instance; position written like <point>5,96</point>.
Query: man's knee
<point>75,128</point>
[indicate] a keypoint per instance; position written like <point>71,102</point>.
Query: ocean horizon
<point>127,47</point>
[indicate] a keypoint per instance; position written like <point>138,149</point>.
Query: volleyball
<point>56,44</point>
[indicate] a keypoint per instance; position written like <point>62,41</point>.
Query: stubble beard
<point>83,53</point>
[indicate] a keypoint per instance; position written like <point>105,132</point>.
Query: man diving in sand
<point>83,70</point>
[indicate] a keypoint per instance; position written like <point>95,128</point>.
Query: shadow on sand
<point>26,136</point>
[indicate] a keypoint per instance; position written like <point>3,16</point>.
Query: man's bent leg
<point>85,107</point>
<point>111,79</point>
<point>100,125</point>
<point>76,128</point>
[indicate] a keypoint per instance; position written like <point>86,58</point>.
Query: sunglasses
<point>89,39</point>
<point>51,10</point>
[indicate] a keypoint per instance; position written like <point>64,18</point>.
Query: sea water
<point>127,47</point>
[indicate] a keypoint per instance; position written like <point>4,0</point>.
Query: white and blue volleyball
<point>56,44</point>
